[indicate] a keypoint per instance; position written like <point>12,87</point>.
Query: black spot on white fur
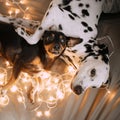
<point>85,12</point>
<point>90,29</point>
<point>50,6</point>
<point>71,17</point>
<point>69,9</point>
<point>84,24</point>
<point>65,2</point>
<point>47,14</point>
<point>102,50</point>
<point>59,6</point>
<point>40,28</point>
<point>85,31</point>
<point>87,5</point>
<point>80,4</point>
<point>60,27</point>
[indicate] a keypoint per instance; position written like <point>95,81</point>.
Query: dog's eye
<point>62,40</point>
<point>49,39</point>
<point>93,72</point>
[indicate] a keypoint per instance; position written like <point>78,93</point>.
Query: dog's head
<point>92,73</point>
<point>93,70</point>
<point>54,44</point>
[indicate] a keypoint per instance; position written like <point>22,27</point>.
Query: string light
<point>7,3</point>
<point>45,87</point>
<point>22,1</point>
<point>20,99</point>
<point>14,88</point>
<point>60,95</point>
<point>108,91</point>
<point>15,7</point>
<point>8,64</point>
<point>4,100</point>
<point>47,113</point>
<point>10,12</point>
<point>39,113</point>
<point>3,76</point>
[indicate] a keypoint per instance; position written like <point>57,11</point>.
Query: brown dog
<point>54,44</point>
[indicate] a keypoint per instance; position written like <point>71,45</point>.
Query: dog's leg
<point>47,22</point>
<point>34,38</point>
<point>19,22</point>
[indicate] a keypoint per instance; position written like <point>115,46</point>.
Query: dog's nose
<point>78,89</point>
<point>57,47</point>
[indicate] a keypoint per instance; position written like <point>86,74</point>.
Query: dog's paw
<point>29,38</point>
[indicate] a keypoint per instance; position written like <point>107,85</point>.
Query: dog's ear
<point>73,41</point>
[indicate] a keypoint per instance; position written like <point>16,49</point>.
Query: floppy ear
<point>73,41</point>
<point>106,40</point>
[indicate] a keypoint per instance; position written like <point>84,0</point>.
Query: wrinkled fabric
<point>111,6</point>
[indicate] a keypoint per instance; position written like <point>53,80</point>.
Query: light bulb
<point>47,113</point>
<point>14,88</point>
<point>39,114</point>
<point>20,99</point>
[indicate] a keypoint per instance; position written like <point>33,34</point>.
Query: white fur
<point>71,27</point>
<point>83,77</point>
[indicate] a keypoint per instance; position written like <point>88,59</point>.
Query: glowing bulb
<point>39,114</point>
<point>49,88</point>
<point>14,88</point>
<point>71,69</point>
<point>60,95</point>
<point>47,113</point>
<point>4,100</point>
<point>7,4</point>
<point>69,90</point>
<point>24,80</point>
<point>108,91</point>
<point>20,99</point>
<point>27,16</point>
<point>51,98</point>
<point>26,8</point>
<point>48,82</point>
<point>22,1</point>
<point>7,63</point>
<point>39,100</point>
<point>10,12</point>
<point>44,75</point>
<point>17,11</point>
<point>56,80</point>
<point>26,88</point>
<point>1,82</point>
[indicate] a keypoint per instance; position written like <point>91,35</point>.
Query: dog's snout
<point>78,89</point>
<point>57,47</point>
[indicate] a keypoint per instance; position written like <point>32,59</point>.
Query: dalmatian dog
<point>78,20</point>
